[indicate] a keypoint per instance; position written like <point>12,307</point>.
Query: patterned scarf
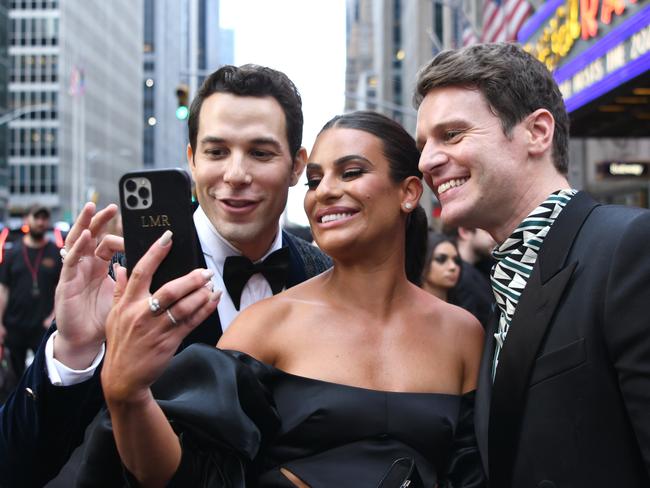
<point>516,258</point>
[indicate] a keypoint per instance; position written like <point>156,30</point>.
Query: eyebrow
<point>257,141</point>
<point>341,161</point>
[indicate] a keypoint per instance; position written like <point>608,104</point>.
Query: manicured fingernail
<point>209,285</point>
<point>165,239</point>
<point>207,274</point>
<point>215,295</point>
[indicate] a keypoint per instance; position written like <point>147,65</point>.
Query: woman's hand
<point>143,331</point>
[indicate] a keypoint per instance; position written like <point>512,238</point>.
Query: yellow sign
<point>571,21</point>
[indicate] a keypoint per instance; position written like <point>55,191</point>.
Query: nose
<point>237,171</point>
<point>431,158</point>
<point>328,189</point>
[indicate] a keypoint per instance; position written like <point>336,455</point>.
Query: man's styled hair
<point>513,82</point>
<point>251,80</point>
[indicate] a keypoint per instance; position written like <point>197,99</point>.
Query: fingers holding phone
<point>143,331</point>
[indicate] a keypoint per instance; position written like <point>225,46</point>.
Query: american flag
<point>502,19</point>
<point>468,34</point>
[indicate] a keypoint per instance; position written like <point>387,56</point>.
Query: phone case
<point>151,202</point>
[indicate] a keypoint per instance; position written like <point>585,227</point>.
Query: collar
<point>530,233</point>
<point>214,246</point>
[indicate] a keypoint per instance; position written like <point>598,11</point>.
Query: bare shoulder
<point>260,329</point>
<point>459,330</point>
<point>255,328</point>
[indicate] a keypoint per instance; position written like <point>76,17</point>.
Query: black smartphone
<point>151,202</point>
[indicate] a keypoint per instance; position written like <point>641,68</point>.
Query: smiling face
<point>351,201</point>
<point>444,269</point>
<point>480,176</point>
<point>243,168</point>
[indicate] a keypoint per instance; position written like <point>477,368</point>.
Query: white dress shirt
<point>215,251</point>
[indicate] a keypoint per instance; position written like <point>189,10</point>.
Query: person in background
<point>442,267</point>
<point>29,274</point>
<point>473,291</point>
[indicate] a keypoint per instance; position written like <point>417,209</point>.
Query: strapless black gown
<point>240,421</point>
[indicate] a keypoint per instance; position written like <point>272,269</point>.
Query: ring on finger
<point>154,305</point>
<point>63,253</point>
<point>172,319</point>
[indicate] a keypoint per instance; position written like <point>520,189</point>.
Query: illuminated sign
<point>571,20</point>
<point>619,56</point>
<point>624,169</point>
<point>561,34</point>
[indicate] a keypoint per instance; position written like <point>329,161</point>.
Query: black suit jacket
<point>570,403</point>
<point>41,424</point>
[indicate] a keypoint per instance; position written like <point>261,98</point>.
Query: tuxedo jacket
<point>41,424</point>
<point>570,402</point>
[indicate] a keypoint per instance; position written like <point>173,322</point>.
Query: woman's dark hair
<point>403,156</point>
<point>251,80</point>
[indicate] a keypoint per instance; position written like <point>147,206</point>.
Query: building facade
<point>5,114</point>
<point>182,43</point>
<point>599,53</point>
<point>76,69</point>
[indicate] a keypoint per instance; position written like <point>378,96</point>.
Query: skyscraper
<point>76,69</point>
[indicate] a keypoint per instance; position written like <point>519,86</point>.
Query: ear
<point>190,159</point>
<point>411,193</point>
<point>465,233</point>
<point>540,126</point>
<point>299,162</point>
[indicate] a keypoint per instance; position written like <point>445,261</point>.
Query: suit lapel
<point>530,323</point>
<point>484,390</point>
<point>296,267</point>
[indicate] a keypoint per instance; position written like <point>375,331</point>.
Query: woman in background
<point>442,267</point>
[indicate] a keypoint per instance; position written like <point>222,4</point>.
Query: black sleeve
<point>216,402</point>
<point>41,424</point>
<point>464,469</point>
<point>627,326</point>
<point>5,266</point>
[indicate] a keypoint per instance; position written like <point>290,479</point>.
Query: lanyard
<point>33,270</point>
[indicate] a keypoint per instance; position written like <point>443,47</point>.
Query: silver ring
<point>154,305</point>
<point>63,253</point>
<point>171,317</point>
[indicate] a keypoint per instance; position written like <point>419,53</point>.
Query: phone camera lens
<point>132,201</point>
<point>130,185</point>
<point>143,192</point>
<point>145,202</point>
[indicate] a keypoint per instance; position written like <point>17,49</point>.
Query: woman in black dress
<point>331,382</point>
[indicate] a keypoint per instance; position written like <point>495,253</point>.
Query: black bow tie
<point>237,270</point>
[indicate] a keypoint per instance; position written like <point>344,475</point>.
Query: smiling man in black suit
<point>564,391</point>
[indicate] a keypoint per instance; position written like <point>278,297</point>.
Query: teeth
<point>451,184</point>
<point>332,217</point>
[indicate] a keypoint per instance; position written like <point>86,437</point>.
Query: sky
<point>306,40</point>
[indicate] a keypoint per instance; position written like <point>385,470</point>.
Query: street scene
<point>416,232</point>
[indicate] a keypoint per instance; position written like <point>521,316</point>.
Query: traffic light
<point>182,95</point>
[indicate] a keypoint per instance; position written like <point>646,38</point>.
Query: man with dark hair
<point>28,276</point>
<point>245,129</point>
<point>564,390</point>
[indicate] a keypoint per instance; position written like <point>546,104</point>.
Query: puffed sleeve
<point>217,403</point>
<point>464,467</point>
